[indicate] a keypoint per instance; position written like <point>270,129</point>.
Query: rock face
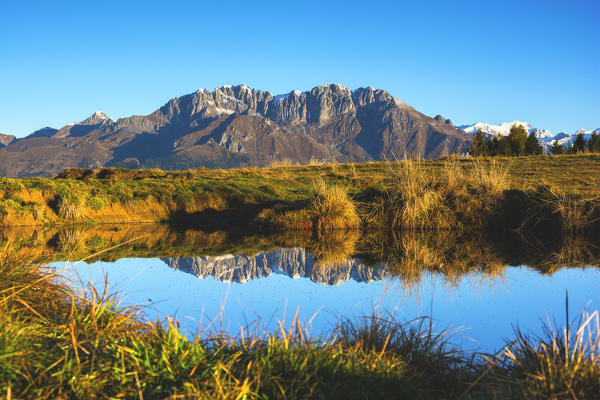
<point>295,263</point>
<point>236,126</point>
<point>5,140</point>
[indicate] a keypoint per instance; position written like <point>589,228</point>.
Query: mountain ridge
<point>292,262</point>
<point>238,126</point>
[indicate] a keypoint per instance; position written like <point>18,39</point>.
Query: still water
<point>475,288</point>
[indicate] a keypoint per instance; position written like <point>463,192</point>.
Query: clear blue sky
<point>490,61</point>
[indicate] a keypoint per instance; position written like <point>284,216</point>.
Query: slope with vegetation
<point>524,193</point>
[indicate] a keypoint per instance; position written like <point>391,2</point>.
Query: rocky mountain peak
<point>44,132</point>
<point>366,96</point>
<point>5,140</point>
<point>443,120</point>
<point>96,118</point>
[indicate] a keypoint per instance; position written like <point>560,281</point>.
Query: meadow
<point>517,193</point>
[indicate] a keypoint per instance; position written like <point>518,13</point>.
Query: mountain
<point>545,137</point>
<point>294,262</point>
<point>44,132</point>
<point>5,140</point>
<point>504,129</point>
<point>237,126</point>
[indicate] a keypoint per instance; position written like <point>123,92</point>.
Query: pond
<point>477,287</point>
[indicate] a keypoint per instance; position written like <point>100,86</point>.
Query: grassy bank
<point>57,344</point>
<point>514,193</point>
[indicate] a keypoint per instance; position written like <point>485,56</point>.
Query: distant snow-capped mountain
<point>545,137</point>
<point>504,129</point>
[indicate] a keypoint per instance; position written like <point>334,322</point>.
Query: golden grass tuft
<point>561,364</point>
<point>577,214</point>
<point>70,206</point>
<point>491,178</point>
<point>332,208</point>
<point>415,200</point>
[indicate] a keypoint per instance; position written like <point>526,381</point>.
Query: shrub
<point>96,203</point>
<point>10,187</point>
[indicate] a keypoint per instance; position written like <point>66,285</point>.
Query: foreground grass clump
<point>560,364</point>
<point>55,343</point>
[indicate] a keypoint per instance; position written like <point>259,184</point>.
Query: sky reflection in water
<point>483,309</point>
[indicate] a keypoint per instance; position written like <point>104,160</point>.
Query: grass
<point>442,194</point>
<point>576,213</point>
<point>55,343</point>
<point>69,206</point>
<point>559,364</point>
<point>438,216</point>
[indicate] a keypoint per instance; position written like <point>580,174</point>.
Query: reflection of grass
<point>408,254</point>
<point>331,248</point>
<point>574,251</point>
<point>412,254</point>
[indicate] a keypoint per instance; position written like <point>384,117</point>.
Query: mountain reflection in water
<point>294,262</point>
<point>457,279</point>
